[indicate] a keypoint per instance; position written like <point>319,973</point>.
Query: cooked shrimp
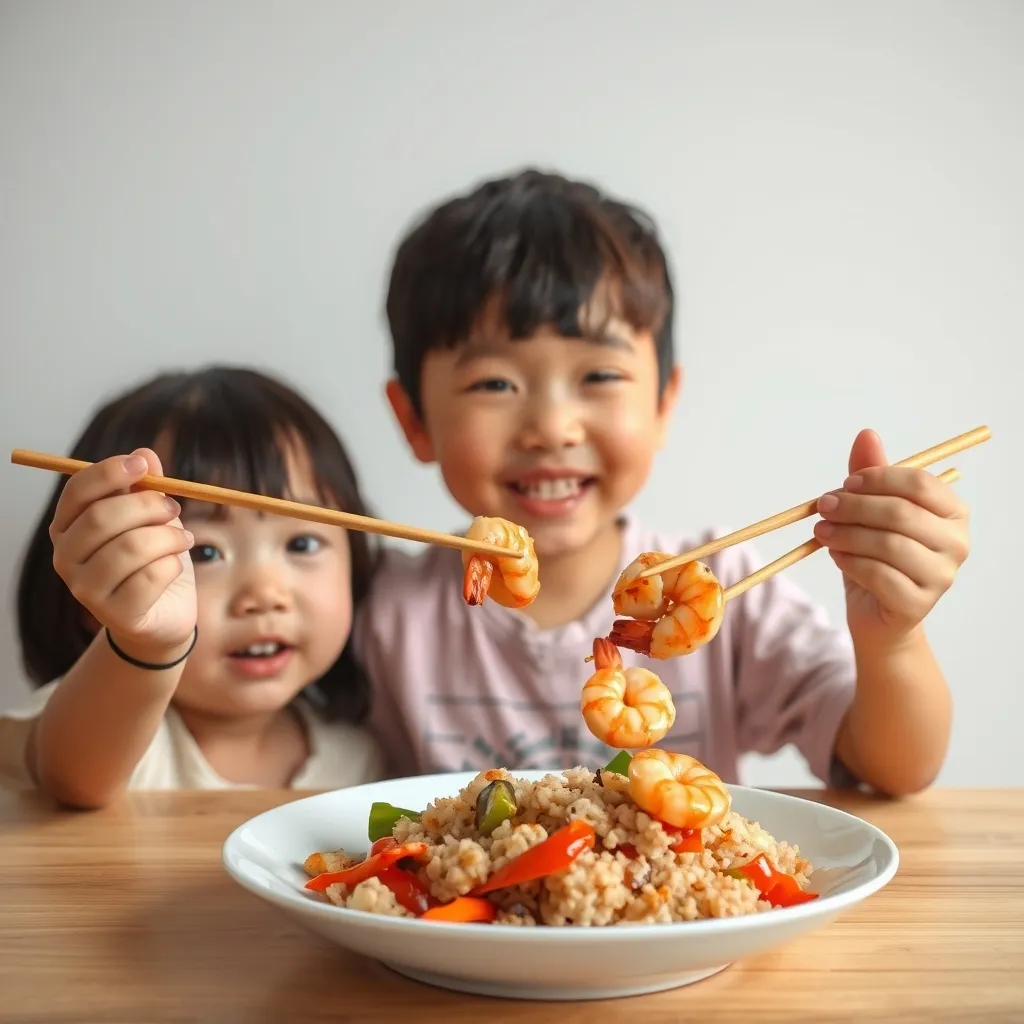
<point>643,598</point>
<point>517,582</point>
<point>625,707</point>
<point>677,789</point>
<point>681,610</point>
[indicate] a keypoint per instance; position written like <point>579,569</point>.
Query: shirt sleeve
<point>794,671</point>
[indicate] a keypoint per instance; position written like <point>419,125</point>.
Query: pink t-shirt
<point>457,688</point>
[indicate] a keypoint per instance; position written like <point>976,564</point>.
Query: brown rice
<point>603,886</point>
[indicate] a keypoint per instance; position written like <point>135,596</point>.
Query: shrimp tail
<point>606,654</point>
<point>633,635</point>
<point>477,580</point>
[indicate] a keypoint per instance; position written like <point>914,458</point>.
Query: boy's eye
<point>304,544</point>
<point>491,384</point>
<point>603,376</point>
<point>204,553</point>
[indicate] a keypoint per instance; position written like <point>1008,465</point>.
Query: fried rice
<point>629,876</point>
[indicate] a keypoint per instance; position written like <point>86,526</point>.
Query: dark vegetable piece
<point>495,804</point>
<point>383,818</point>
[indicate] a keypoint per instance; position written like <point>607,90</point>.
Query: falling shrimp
<point>516,582</point>
<point>669,614</point>
<point>677,789</point>
<point>626,708</point>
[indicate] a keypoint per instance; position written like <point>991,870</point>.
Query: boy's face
<point>557,434</point>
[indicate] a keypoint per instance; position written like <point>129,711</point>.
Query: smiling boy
<point>534,362</point>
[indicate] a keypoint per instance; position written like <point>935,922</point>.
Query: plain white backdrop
<point>839,185</point>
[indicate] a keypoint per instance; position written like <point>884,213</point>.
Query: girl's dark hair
<point>539,242</point>
<point>224,425</point>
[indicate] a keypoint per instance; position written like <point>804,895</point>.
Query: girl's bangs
<point>242,447</point>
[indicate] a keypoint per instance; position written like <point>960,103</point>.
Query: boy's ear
<point>410,422</point>
<point>667,401</point>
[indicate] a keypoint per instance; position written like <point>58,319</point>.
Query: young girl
<point>193,645</point>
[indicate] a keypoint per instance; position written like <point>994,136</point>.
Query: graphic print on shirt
<point>473,733</point>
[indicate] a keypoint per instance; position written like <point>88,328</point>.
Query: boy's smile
<point>550,491</point>
<point>554,433</point>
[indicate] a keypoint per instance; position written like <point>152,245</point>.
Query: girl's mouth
<point>262,659</point>
<point>261,649</point>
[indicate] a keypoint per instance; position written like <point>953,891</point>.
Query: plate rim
<point>825,906</point>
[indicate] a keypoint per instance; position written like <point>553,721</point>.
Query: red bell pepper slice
<point>689,841</point>
<point>373,865</point>
<point>784,896</point>
<point>465,909</point>
<point>554,854</point>
<point>408,890</point>
<point>778,888</point>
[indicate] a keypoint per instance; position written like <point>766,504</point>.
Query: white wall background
<point>840,185</point>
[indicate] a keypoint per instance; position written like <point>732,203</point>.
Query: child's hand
<point>899,536</point>
<point>123,555</point>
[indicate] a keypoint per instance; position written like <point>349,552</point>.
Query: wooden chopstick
<point>797,554</point>
<point>808,508</point>
<point>276,506</point>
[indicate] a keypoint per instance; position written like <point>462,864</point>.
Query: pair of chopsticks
<point>275,506</point>
<point>803,511</point>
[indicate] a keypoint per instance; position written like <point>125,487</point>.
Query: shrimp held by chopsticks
<point>516,582</point>
<point>669,615</point>
<point>625,707</point>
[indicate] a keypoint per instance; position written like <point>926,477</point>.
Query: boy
<point>532,329</point>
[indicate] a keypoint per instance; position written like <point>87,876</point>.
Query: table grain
<point>127,915</point>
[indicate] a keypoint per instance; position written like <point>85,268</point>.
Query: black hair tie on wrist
<point>150,666</point>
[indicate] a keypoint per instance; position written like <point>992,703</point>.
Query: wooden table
<point>126,915</point>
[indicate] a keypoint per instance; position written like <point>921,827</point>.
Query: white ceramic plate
<point>852,860</point>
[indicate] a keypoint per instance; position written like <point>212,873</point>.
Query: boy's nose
<point>551,426</point>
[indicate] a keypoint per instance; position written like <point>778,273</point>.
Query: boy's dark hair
<point>226,426</point>
<point>541,244</point>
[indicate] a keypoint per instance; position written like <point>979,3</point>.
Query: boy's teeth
<point>260,650</point>
<point>552,490</point>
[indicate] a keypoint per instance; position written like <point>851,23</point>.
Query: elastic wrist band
<point>150,666</point>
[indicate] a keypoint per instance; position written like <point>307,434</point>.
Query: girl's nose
<point>261,592</point>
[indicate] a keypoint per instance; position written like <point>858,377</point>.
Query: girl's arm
<point>123,555</point>
<point>100,721</point>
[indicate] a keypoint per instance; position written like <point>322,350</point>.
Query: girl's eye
<point>495,384</point>
<point>304,544</point>
<point>204,553</point>
<point>603,376</point>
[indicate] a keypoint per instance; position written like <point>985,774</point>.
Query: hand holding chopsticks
<point>809,508</point>
<point>797,554</point>
<point>904,571</point>
<point>275,506</point>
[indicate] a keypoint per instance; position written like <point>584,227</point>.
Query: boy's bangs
<point>559,267</point>
<point>576,285</point>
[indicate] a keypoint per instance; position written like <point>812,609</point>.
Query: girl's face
<point>275,603</point>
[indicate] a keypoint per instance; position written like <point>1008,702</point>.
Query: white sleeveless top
<point>340,755</point>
